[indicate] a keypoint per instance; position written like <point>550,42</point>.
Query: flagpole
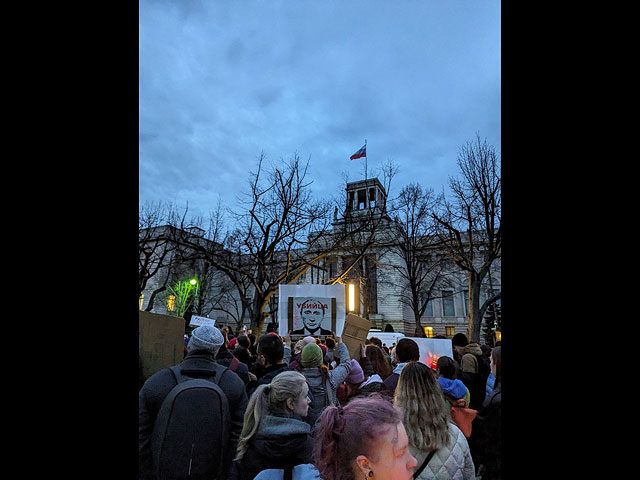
<point>365,160</point>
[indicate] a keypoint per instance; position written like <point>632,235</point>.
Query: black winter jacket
<point>196,364</point>
<point>225,358</point>
<point>486,437</point>
<point>279,442</point>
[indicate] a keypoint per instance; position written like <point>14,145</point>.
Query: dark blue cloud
<point>222,81</point>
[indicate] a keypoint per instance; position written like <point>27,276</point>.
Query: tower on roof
<point>366,196</point>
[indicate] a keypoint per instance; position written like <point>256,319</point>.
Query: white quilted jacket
<point>452,462</point>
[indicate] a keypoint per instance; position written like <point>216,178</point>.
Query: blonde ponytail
<point>256,409</point>
<point>267,398</point>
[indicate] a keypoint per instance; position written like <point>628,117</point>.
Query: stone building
<point>378,284</point>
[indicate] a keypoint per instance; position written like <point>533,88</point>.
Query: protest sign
<point>316,310</point>
<point>199,321</point>
<point>160,341</point>
<point>433,348</point>
<point>354,334</point>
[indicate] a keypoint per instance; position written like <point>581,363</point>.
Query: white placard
<point>311,309</point>
<point>433,348</point>
<point>199,321</point>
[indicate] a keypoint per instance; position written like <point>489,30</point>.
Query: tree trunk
<point>419,331</point>
<point>474,319</point>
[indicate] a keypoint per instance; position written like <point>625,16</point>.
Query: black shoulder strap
<point>424,464</point>
<point>288,472</point>
<point>175,370</point>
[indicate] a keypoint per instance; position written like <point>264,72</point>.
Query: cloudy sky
<point>222,81</point>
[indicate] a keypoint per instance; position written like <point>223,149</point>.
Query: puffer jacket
<point>451,462</point>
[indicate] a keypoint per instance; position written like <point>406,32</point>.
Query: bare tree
<point>469,226</point>
<point>156,248</point>
<point>414,241</point>
<point>357,238</point>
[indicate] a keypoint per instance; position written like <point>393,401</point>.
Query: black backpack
<point>192,429</point>
<point>484,367</point>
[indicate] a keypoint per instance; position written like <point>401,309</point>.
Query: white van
<point>387,338</point>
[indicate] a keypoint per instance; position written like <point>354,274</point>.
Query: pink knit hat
<point>356,375</point>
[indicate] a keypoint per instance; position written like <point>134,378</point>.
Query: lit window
<point>450,331</point>
<point>171,304</point>
<point>140,300</point>
<point>447,303</point>
<point>428,331</point>
<point>498,336</point>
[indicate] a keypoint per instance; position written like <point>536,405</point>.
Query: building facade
<point>379,283</point>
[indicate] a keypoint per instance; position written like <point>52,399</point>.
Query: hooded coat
<point>281,441</point>
<point>472,376</point>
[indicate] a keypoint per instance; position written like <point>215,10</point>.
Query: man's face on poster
<point>312,315</point>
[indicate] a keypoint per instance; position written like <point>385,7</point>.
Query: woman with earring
<point>364,440</point>
<point>274,434</point>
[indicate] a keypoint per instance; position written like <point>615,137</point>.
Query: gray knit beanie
<point>207,338</point>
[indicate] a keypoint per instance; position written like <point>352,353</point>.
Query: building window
<point>140,300</point>
<point>450,331</point>
<point>362,199</point>
<point>428,312</point>
<point>466,302</point>
<point>447,304</point>
<point>171,303</point>
<point>428,331</point>
<point>372,197</point>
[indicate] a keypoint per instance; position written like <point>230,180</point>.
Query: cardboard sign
<point>433,348</point>
<point>199,321</point>
<point>314,310</point>
<point>160,341</point>
<point>354,334</point>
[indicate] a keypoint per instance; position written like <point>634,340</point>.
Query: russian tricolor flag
<point>360,153</point>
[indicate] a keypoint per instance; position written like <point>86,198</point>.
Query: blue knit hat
<point>453,388</point>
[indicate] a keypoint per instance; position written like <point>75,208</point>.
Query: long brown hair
<point>323,369</point>
<point>424,412</point>
<point>378,361</point>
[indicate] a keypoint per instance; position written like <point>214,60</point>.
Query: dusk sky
<point>220,81</point>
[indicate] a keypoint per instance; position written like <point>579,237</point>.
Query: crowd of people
<point>242,408</point>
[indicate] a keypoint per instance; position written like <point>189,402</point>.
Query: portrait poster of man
<point>316,310</point>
